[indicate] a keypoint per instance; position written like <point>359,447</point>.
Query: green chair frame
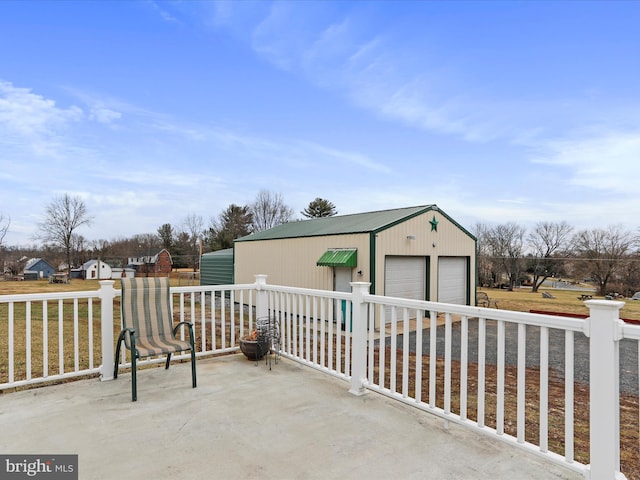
<point>147,321</point>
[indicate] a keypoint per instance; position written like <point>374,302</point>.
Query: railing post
<point>262,304</point>
<point>359,336</point>
<point>604,328</point>
<point>107,294</point>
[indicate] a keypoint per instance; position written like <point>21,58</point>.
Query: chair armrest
<point>132,335</point>
<point>189,327</point>
<point>132,339</point>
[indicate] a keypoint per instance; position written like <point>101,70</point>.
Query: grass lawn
<point>43,286</point>
<point>565,301</point>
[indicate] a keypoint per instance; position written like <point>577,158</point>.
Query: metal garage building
<point>216,268</point>
<point>415,252</point>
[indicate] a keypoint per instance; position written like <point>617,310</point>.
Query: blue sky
<point>153,111</point>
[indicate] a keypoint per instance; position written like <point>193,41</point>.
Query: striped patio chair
<point>147,321</point>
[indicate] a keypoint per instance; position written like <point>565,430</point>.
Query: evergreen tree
<point>319,208</point>
<point>165,232</point>
<point>234,222</point>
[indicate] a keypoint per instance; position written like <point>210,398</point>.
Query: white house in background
<point>92,270</point>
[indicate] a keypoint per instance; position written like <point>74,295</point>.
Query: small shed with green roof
<point>415,252</point>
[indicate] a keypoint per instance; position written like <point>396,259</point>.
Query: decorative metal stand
<point>269,338</point>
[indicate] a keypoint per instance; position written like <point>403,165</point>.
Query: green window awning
<point>339,257</point>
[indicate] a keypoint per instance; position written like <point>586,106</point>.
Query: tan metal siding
<point>292,261</point>
<point>447,240</point>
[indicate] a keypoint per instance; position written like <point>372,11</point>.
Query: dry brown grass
<point>75,285</point>
<point>629,414</point>
<point>565,301</point>
<point>43,286</point>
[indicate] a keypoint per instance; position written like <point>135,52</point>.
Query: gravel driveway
<point>628,350</point>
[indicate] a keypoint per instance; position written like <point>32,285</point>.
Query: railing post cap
<point>261,280</point>
<point>605,304</point>
<point>107,284</point>
<point>361,287</point>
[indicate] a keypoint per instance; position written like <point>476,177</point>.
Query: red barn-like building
<point>159,264</point>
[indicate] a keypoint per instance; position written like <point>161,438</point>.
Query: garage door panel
<point>405,277</point>
<point>452,280</point>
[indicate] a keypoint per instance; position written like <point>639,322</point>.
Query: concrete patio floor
<point>246,421</point>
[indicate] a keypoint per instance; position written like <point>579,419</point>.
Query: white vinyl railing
<point>48,337</point>
<point>480,341</point>
<point>313,327</point>
<point>511,375</point>
<point>57,336</point>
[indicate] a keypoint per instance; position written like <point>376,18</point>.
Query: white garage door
<point>452,280</point>
<point>405,277</point>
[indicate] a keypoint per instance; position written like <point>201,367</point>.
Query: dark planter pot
<point>254,349</point>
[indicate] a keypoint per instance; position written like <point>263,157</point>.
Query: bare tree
<point>486,269</point>
<point>546,240</point>
<point>506,246</point>
<point>63,216</point>
<point>102,248</point>
<point>146,244</point>
<point>630,275</point>
<point>193,226</point>
<point>5,222</point>
<point>269,210</point>
<point>602,253</point>
<point>79,246</point>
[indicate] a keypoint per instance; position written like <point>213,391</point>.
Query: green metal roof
<point>339,257</point>
<point>219,253</point>
<point>340,224</point>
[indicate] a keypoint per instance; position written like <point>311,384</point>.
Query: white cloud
<point>159,179</point>
<point>367,68</point>
<point>600,160</point>
<point>236,146</point>
<point>108,110</point>
<point>132,200</point>
<point>30,115</point>
<point>352,158</point>
<point>164,14</point>
<point>374,68</point>
<point>286,152</point>
<point>104,115</point>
